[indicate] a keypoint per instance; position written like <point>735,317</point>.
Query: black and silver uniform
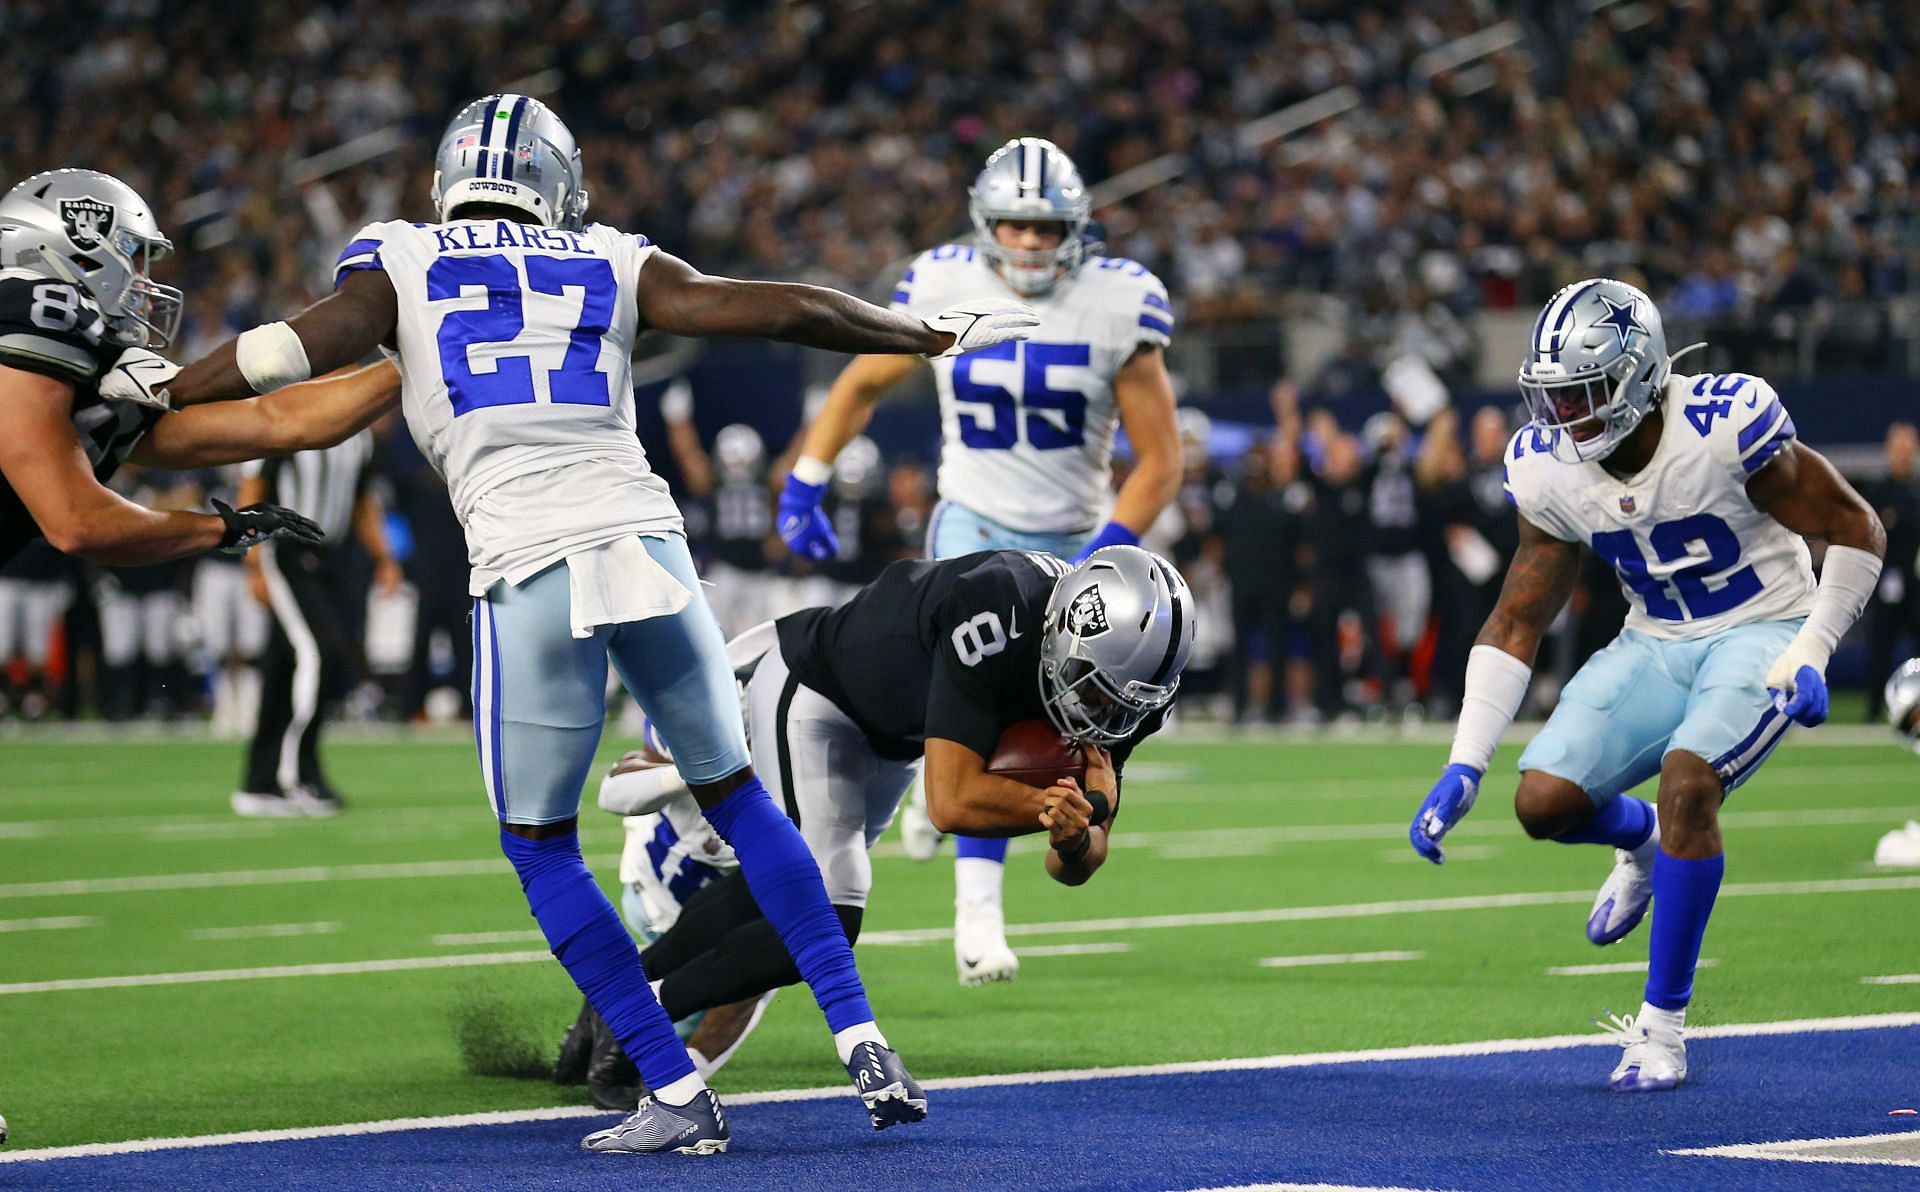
<point>946,648</point>
<point>52,328</point>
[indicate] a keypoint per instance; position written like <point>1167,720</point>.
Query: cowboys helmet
<point>95,232</point>
<point>1595,367</point>
<point>512,151</point>
<point>1903,702</point>
<point>1119,628</point>
<point>1030,179</point>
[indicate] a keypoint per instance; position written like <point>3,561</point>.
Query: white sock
<point>701,1064</point>
<point>845,1041</point>
<point>1652,1017</point>
<point>976,879</point>
<point>682,1090</point>
<point>655,986</point>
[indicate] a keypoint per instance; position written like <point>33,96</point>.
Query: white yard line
<point>476,938</point>
<point>1327,958</point>
<point>1364,910</point>
<point>1075,949</point>
<point>482,867</point>
<point>51,923</point>
<point>262,931</point>
<point>204,976</point>
<point>1896,979</point>
<point>1424,1051</point>
<point>1793,1150</point>
<point>1603,970</point>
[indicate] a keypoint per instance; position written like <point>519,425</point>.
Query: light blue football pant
<point>539,693</point>
<point>1643,697</point>
<point>957,530</point>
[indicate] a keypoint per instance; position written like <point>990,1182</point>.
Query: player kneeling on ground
<point>1697,493</point>
<point>951,658</point>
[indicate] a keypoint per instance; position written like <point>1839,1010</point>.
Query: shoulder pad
<point>1737,412</point>
<point>52,327</point>
<point>1139,298</point>
<point>922,283</point>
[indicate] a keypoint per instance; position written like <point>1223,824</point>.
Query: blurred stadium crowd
<point>1750,163</point>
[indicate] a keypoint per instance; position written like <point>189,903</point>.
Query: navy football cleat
<point>697,1128</point>
<point>890,1094</point>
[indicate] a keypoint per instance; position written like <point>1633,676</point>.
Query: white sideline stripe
<point>1076,949</point>
<point>1896,979</point>
<point>1789,1151</point>
<point>1420,1051</point>
<point>51,923</point>
<point>1363,910</point>
<point>1338,958</point>
<point>467,939</point>
<point>262,931</point>
<point>1602,970</point>
<point>203,976</point>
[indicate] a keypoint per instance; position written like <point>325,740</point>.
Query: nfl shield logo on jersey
<point>1627,505</point>
<point>1087,615</point>
<point>88,220</point>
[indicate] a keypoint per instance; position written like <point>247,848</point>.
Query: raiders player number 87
<point>84,393</point>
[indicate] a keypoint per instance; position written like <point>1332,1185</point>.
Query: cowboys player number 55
<point>85,393</point>
<point>1026,460</point>
<point>1696,491</point>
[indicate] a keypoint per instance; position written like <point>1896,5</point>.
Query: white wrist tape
<point>1847,580</point>
<point>1496,683</point>
<point>271,355</point>
<point>808,470</point>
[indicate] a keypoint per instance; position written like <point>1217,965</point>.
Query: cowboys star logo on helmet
<point>88,219</point>
<point>1087,615</point>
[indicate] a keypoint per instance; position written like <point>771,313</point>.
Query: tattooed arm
<point>680,300</point>
<point>1539,580</point>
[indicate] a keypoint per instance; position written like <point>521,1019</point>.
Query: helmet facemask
<point>1086,705</point>
<point>1031,271</point>
<point>1586,416</point>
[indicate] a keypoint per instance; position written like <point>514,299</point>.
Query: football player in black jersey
<point>84,392</point>
<point>936,659</point>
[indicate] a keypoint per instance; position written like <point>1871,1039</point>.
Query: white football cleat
<point>1900,847</point>
<point>1654,1058</point>
<point>980,950</point>
<point>919,839</point>
<point>265,805</point>
<point>1624,897</point>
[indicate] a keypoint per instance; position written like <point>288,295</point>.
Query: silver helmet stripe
<point>1173,631</point>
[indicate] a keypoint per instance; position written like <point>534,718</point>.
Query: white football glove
<point>982,323</point>
<point>140,376</point>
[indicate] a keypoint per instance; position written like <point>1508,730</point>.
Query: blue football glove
<point>1446,805</point>
<point>803,526</point>
<point>1111,534</point>
<point>1807,702</point>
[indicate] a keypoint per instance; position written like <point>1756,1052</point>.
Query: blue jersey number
<point>1671,542</point>
<point>1053,418</point>
<point>578,380</point>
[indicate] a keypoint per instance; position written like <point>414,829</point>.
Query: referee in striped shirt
<point>311,592</point>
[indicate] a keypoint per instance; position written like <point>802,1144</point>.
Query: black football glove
<point>249,527</point>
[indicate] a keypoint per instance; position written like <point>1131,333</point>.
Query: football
<point>1034,752</point>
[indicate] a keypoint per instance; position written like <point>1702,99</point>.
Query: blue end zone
<point>1524,1120</point>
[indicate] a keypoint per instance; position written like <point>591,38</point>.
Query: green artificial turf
<point>1222,827</point>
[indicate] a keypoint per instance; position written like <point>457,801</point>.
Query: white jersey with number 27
<point>513,344</point>
<point>1694,555</point>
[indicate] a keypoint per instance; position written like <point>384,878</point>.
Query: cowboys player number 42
<point>1697,493</point>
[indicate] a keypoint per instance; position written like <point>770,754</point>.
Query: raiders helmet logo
<point>88,220</point>
<point>1087,614</point>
